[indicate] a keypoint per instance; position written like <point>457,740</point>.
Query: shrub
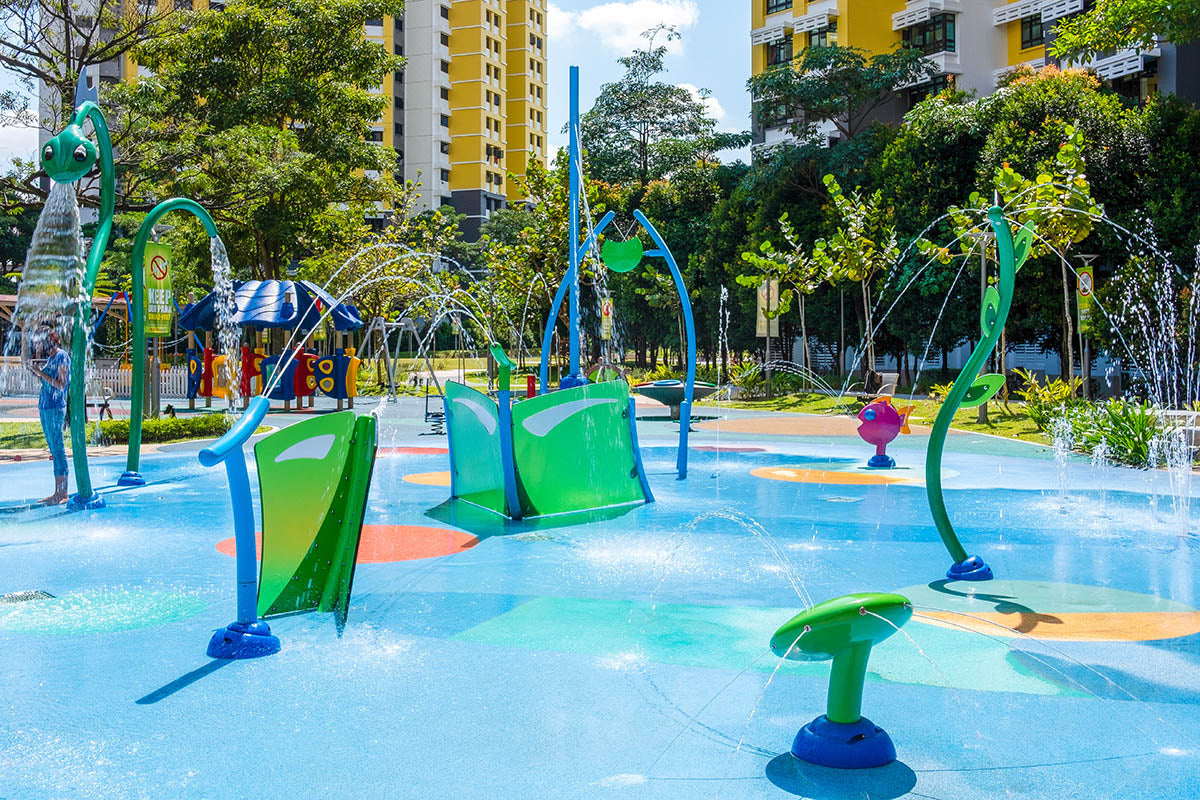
<point>939,391</point>
<point>168,429</point>
<point>1126,428</point>
<point>1045,401</point>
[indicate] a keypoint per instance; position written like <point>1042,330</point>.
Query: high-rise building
<point>468,108</point>
<point>971,43</point>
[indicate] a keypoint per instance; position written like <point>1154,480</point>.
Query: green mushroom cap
<point>829,628</point>
<point>68,156</point>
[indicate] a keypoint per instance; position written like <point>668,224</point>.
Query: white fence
<point>16,380</point>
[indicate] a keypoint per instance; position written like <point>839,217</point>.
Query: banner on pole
<point>606,319</point>
<point>768,300</point>
<point>1085,293</point>
<point>159,308</point>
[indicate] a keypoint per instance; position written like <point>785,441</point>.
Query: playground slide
<point>314,477</point>
<point>572,450</point>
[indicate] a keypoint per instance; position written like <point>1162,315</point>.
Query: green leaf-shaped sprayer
<point>969,390</point>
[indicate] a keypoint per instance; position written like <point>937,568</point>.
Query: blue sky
<point>713,54</point>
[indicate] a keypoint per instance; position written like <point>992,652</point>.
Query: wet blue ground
<point>613,658</point>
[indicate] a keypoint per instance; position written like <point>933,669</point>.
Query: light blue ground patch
<point>99,611</point>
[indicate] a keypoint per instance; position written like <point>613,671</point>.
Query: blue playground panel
<point>617,655</point>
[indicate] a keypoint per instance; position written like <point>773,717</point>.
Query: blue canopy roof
<point>265,304</point>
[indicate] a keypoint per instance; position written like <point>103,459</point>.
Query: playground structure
<point>881,423</point>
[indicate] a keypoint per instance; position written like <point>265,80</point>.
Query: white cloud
<point>559,23</point>
<point>711,104</point>
<point>619,25</point>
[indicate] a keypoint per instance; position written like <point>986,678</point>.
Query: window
<point>1032,33</point>
<point>445,148</point>
<point>445,93</point>
<point>445,40</point>
<point>446,67</point>
<point>445,120</point>
<point>778,5</point>
<point>933,36</point>
<point>375,23</point>
<point>779,53</point>
<point>932,87</point>
<point>398,47</point>
<point>398,101</point>
<point>445,12</point>
<point>445,176</point>
<point>399,128</point>
<point>825,36</point>
<point>374,136</point>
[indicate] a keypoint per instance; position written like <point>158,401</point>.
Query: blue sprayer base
<point>131,479</point>
<point>243,640</point>
<point>78,503</point>
<point>855,745</point>
<point>973,569</point>
<point>571,381</point>
<point>881,462</point>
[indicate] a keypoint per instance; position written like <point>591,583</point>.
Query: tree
<point>641,129</point>
<point>261,112</point>
<point>863,246</point>
<point>845,86</point>
<point>1118,24</point>
<point>798,273</point>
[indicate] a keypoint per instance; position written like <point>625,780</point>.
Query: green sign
<point>158,289</point>
<point>1086,295</point>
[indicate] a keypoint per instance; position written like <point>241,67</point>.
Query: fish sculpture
<point>881,423</point>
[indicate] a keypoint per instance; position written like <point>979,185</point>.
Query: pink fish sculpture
<point>881,423</point>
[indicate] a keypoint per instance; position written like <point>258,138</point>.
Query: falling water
<point>1172,450</point>
<point>1100,464</point>
<point>1063,438</point>
<point>228,333</point>
<point>51,286</point>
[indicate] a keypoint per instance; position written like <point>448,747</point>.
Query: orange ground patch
<point>382,544</point>
<point>825,476</point>
<point>429,478</point>
<point>1101,626</point>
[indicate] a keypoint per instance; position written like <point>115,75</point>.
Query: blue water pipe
<point>575,166</point>
<point>548,334</point>
<point>248,636</point>
<point>685,408</point>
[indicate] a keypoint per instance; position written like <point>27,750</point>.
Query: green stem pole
<point>941,426</point>
<point>79,341</point>
<point>846,678</point>
<point>137,311</point>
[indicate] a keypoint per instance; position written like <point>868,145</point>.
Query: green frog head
<point>68,156</point>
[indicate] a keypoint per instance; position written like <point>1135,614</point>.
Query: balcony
<point>918,11</point>
<point>1122,63</point>
<point>1047,9</point>
<point>770,34</point>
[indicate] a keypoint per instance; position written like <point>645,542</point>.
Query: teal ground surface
<point>621,655</point>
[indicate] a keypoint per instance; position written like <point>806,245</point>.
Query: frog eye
<point>80,154</point>
<point>48,153</point>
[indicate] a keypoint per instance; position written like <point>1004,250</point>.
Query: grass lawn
<point>1011,423</point>
<point>28,435</point>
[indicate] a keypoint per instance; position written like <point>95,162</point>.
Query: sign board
<point>1085,294</point>
<point>159,308</point>
<point>606,319</point>
<point>768,300</point>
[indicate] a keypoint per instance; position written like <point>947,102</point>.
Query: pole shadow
<point>802,779</point>
<point>183,681</point>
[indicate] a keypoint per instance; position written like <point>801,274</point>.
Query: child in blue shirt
<point>55,373</point>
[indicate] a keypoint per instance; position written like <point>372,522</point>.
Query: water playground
<point>563,598</point>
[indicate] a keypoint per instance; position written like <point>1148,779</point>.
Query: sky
<point>712,53</point>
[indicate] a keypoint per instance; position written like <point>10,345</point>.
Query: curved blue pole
<point>685,408</point>
<point>548,334</point>
<point>574,166</point>
<point>247,637</point>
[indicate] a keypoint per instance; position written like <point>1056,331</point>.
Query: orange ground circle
<point>429,478</point>
<point>382,544</point>
<point>824,476</point>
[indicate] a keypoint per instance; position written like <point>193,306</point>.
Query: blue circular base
<point>78,503</point>
<point>131,479</point>
<point>881,462</point>
<point>243,640</point>
<point>855,745</point>
<point>973,569</point>
<point>571,381</point>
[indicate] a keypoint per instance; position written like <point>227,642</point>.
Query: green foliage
<point>642,129</point>
<point>1125,428</point>
<point>1117,24</point>
<point>940,391</point>
<point>841,85</point>
<point>1044,401</point>
<point>168,429</point>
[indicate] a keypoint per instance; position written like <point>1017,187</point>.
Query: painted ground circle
<point>429,478</point>
<point>99,611</point>
<point>796,475</point>
<point>382,544</point>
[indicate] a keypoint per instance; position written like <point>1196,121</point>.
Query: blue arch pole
<point>247,637</point>
<point>548,334</point>
<point>574,166</point>
<point>685,408</point>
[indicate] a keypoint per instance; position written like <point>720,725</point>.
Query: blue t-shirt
<point>51,397</point>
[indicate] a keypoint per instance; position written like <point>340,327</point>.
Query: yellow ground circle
<point>794,475</point>
<point>429,478</point>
